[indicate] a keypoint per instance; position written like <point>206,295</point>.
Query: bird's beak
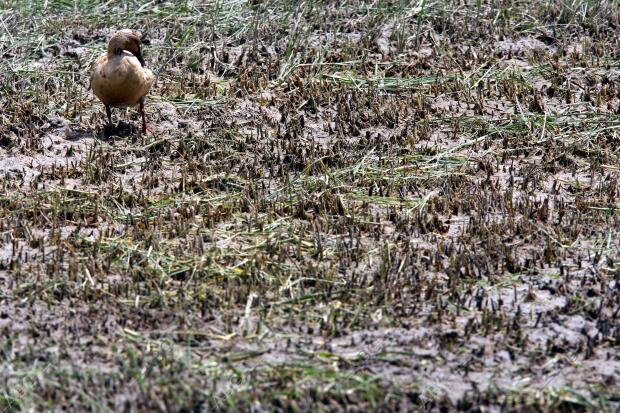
<point>138,55</point>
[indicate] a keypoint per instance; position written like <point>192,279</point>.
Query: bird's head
<point>128,40</point>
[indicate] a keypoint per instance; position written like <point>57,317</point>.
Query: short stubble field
<point>341,206</point>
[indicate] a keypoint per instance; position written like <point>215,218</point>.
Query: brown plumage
<point>118,77</point>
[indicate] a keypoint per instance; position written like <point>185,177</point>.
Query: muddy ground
<point>340,206</point>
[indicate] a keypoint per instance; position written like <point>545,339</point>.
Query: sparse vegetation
<point>343,206</point>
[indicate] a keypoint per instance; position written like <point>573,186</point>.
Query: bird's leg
<point>144,130</point>
<point>108,111</point>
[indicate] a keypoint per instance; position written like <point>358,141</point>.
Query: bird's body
<point>120,81</point>
<point>118,77</point>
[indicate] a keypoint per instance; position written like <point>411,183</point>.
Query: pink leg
<point>108,112</point>
<point>144,130</point>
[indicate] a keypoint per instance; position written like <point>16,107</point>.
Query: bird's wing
<point>149,77</point>
<point>94,67</point>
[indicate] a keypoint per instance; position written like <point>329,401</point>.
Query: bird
<point>119,77</point>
